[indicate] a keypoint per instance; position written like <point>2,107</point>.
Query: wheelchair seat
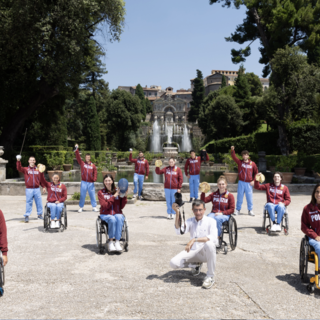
<point>63,218</point>
<point>284,222</point>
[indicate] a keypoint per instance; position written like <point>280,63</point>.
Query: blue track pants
<point>138,180</point>
<point>84,187</point>
<point>220,220</point>
<point>115,224</point>
<point>244,188</point>
<point>169,193</point>
<point>36,195</point>
<point>280,208</point>
<point>194,185</point>
<point>55,210</point>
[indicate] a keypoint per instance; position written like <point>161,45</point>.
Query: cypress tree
<point>93,137</point>
<point>223,82</point>
<point>198,95</point>
<point>140,95</point>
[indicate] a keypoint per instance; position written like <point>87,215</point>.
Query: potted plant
<point>299,170</point>
<point>231,175</point>
<point>285,165</point>
<point>68,159</point>
<point>55,160</point>
<point>271,161</point>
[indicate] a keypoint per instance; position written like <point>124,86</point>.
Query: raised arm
<point>64,194</point>
<point>123,202</point>
<point>286,197</point>
<point>208,198</point>
<point>231,204</point>
<point>234,157</point>
<point>105,202</point>
<point>43,182</point>
<point>259,186</point>
<point>130,158</point>
<point>254,171</point>
<point>160,171</point>
<point>20,168</point>
<point>78,157</point>
<point>186,167</point>
<point>305,225</point>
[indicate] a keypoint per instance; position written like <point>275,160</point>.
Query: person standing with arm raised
<point>141,168</point>
<point>172,183</point>
<point>32,181</point>
<point>193,164</point>
<point>247,170</point>
<point>88,178</point>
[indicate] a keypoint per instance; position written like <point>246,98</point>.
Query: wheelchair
<point>284,223</point>
<point>102,229</point>
<point>229,227</point>
<point>308,254</point>
<point>63,219</point>
<point>1,275</point>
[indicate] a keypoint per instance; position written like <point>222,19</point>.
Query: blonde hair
<point>222,177</point>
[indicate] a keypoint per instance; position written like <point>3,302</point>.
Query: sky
<point>165,42</point>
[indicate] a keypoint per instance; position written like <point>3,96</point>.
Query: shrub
<point>286,163</point>
<point>75,196</point>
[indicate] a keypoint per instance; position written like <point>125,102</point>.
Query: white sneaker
<point>250,213</point>
<point>80,210</point>
<point>118,246</point>
<point>53,224</point>
<point>196,270</point>
<point>208,282</point>
<point>58,224</point>
<point>95,209</point>
<point>236,212</point>
<point>274,227</point>
<point>278,227</point>
<point>135,195</point>
<point>111,246</point>
<point>169,216</point>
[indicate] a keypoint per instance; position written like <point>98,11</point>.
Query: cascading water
<point>186,145</point>
<point>169,134</point>
<point>155,139</point>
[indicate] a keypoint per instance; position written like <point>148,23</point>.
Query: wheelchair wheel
<point>99,236</point>
<point>125,235</point>
<point>1,273</point>
<point>310,288</point>
<point>286,224</point>
<point>303,259</point>
<point>264,218</point>
<point>233,233</point>
<point>46,218</point>
<point>65,217</point>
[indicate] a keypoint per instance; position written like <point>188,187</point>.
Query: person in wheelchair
<point>223,203</point>
<point>111,211</point>
<point>278,198</point>
<point>57,195</point>
<point>310,220</point>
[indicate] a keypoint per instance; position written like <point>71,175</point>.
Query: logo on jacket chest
<point>33,172</point>
<point>171,172</point>
<point>56,189</point>
<point>315,216</point>
<point>218,199</point>
<point>88,166</point>
<point>248,166</point>
<point>273,190</point>
<point>141,161</point>
<point>194,161</point>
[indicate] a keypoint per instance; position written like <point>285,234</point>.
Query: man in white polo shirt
<point>202,246</point>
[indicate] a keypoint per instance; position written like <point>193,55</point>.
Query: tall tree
<point>93,140</point>
<point>45,47</point>
<point>140,95</point>
<point>198,95</point>
<point>148,106</point>
<point>223,82</point>
<point>254,84</point>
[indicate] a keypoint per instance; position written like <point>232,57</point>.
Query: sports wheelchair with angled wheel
<point>1,275</point>
<point>63,219</point>
<point>308,254</point>
<point>229,227</point>
<point>103,238</point>
<point>284,222</point>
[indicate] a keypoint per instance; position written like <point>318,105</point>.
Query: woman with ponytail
<point>111,211</point>
<point>223,204</point>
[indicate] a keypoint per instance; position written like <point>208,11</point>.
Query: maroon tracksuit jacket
<point>246,170</point>
<point>3,235</point>
<point>88,170</point>
<point>223,202</point>
<point>141,166</point>
<point>310,221</point>
<point>56,192</point>
<point>275,194</point>
<point>110,204</point>
<point>193,165</point>
<point>31,176</point>
<point>173,177</point>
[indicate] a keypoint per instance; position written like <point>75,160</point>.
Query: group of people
<point>205,230</point>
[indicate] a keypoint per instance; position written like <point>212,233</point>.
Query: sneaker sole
<point>209,286</point>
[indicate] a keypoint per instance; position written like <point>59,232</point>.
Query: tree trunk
<point>283,142</point>
<point>15,124</point>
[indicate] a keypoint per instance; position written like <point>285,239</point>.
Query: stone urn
<point>287,177</point>
<point>231,176</point>
<point>51,173</point>
<point>112,173</point>
<point>300,171</point>
<point>67,167</point>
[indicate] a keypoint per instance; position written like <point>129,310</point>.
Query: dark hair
<point>32,157</point>
<point>279,173</point>
<point>113,187</point>
<point>192,151</point>
<point>88,154</point>
<point>197,203</point>
<point>140,151</point>
<point>172,159</point>
<point>313,198</point>
<point>244,152</point>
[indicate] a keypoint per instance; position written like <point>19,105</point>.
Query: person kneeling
<point>202,246</point>
<point>111,211</point>
<point>223,204</point>
<point>57,195</point>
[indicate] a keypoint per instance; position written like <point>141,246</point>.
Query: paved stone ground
<point>60,275</point>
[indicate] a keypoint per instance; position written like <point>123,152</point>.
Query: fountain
<point>169,151</point>
<point>186,145</point>
<point>155,139</point>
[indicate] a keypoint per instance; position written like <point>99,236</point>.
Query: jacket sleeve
<point>130,158</point>
<point>147,168</point>
<point>234,157</point>
<point>105,202</point>
<point>287,198</point>
<point>254,171</point>
<point>64,194</point>
<point>94,173</point>
<point>231,205</point>
<point>186,166</point>
<point>19,167</point>
<point>259,186</point>
<point>123,202</point>
<point>160,171</point>
<point>78,157</point>
<point>180,179</point>
<point>3,235</point>
<point>43,182</point>
<point>305,225</point>
<point>206,199</point>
